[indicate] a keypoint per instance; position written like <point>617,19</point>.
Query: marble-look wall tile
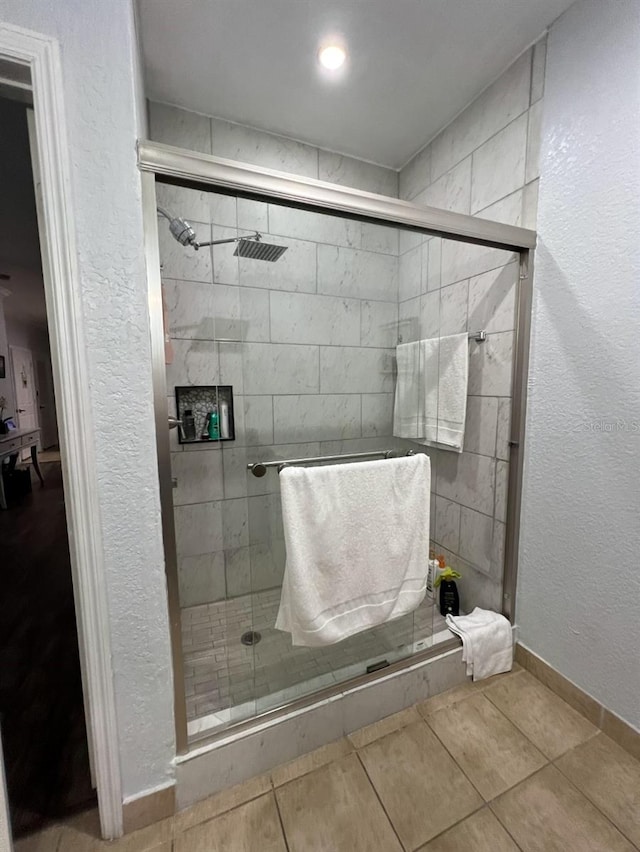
<point>273,368</point>
<point>467,479</point>
<point>302,318</point>
<point>316,418</point>
<point>234,467</point>
<point>195,362</point>
<point>534,138</point>
<point>190,309</point>
<point>432,264</point>
<point>198,476</point>
<point>198,528</point>
<point>379,324</point>
<point>379,238</point>
<point>477,589</point>
<point>408,240</point>
<point>463,260</point>
<point>253,215</point>
<point>490,365</point>
<point>410,274</point>
<point>508,210</point>
<point>377,415</point>
<point>179,127</point>
<point>201,579</point>
<point>190,204</point>
<point>237,142</point>
<point>184,262</point>
<point>318,227</point>
<point>447,525</point>
<point>502,487</point>
<point>254,568</point>
<point>476,539</point>
<point>499,165</point>
<point>481,424</point>
<point>223,210</point>
<point>265,519</point>
<point>416,174</point>
<point>355,274</point>
<point>504,429</point>
<point>348,171</point>
<point>494,109</point>
<point>235,523</point>
<point>241,313</point>
<point>453,308</point>
<point>356,370</point>
<point>497,554</point>
<point>492,299</point>
<point>258,420</point>
<point>294,271</point>
<point>451,191</point>
<point>231,358</point>
<point>538,69</point>
<point>430,310</point>
<point>530,205</point>
<point>409,321</point>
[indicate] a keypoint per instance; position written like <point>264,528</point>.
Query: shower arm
<point>257,237</point>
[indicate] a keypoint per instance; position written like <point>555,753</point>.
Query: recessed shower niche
<point>205,414</point>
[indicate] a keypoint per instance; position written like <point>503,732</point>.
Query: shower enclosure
<point>260,361</point>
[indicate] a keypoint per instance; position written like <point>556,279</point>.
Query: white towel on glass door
<point>357,538</point>
<point>445,363</point>
<point>487,642</point>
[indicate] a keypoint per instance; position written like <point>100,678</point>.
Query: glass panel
<point>298,357</point>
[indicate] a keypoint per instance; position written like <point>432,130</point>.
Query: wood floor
<point>41,706</point>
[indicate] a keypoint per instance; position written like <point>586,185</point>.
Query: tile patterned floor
<point>498,766</point>
<point>221,672</point>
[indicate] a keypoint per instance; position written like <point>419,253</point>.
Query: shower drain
<point>251,637</point>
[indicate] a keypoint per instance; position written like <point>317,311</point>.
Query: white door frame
<point>62,284</point>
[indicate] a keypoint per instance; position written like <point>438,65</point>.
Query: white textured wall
<point>99,65</point>
<point>579,585</point>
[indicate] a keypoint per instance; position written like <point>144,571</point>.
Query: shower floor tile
<point>222,673</point>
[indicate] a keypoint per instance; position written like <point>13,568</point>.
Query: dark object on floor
<point>449,598</point>
<point>251,637</point>
<point>374,667</point>
<point>17,484</point>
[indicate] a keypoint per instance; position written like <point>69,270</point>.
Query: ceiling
<point>413,65</point>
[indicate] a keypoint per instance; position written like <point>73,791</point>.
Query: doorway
<point>42,714</point>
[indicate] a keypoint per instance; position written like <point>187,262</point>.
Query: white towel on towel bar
<point>446,376</point>
<point>407,407</point>
<point>357,538</point>
<point>487,642</point>
<point>431,391</point>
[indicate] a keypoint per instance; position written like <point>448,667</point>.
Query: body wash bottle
<point>214,425</point>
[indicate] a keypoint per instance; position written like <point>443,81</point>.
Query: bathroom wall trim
<point>63,289</point>
<point>186,168</point>
<point>235,177</point>
<point>597,713</point>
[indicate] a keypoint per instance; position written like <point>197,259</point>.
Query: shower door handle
<point>174,422</point>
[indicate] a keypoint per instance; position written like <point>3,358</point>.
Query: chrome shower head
<point>255,249</point>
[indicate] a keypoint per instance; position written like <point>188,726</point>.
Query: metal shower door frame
<point>203,171</point>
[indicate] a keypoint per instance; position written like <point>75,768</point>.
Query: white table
<point>11,446</point>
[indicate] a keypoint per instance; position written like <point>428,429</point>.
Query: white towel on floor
<point>407,407</point>
<point>431,391</point>
<point>357,538</point>
<point>446,375</point>
<point>487,642</point>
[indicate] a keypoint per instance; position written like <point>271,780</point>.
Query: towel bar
<point>260,468</point>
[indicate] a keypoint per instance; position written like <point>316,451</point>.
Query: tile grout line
<point>377,795</point>
<point>282,828</point>
<point>586,795</point>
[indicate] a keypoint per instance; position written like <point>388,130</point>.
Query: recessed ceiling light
<point>332,56</point>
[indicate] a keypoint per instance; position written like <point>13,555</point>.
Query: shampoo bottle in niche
<point>224,420</point>
<point>214,424</point>
<point>189,425</point>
